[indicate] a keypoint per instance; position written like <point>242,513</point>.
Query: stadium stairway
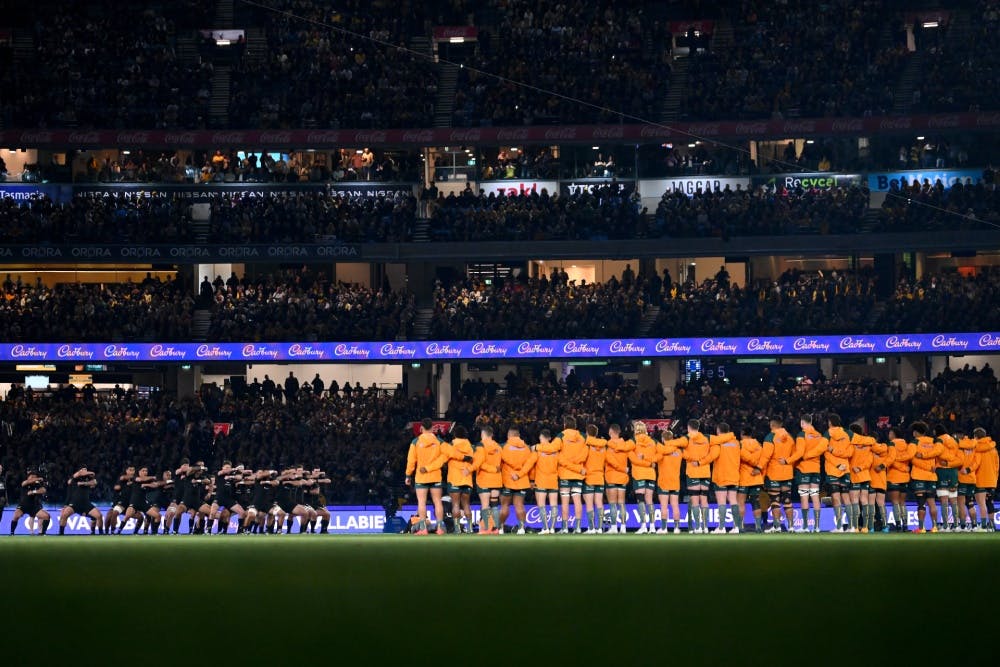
<point>421,231</point>
<point>218,105</point>
<point>223,14</point>
<point>671,109</point>
<point>200,323</point>
<point>256,52</point>
<point>902,95</point>
<point>23,45</point>
<point>422,323</point>
<point>187,49</point>
<point>648,319</point>
<point>444,105</point>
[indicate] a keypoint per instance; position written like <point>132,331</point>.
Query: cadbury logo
<point>948,341</point>
<point>479,349</point>
<point>212,352</point>
<point>574,347</point>
<point>438,350</point>
<point>28,352</point>
<point>625,347</point>
<point>65,351</point>
<point>809,344</point>
<point>764,345</point>
<point>710,345</point>
<point>166,352</point>
<point>667,345</point>
<point>390,350</point>
<point>299,350</point>
<point>989,340</point>
<point>850,343</point>
<point>533,348</point>
<point>120,352</point>
<point>251,351</point>
<point>897,343</point>
<point>343,350</point>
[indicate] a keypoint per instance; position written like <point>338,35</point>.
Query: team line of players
<point>942,470</point>
<point>264,501</point>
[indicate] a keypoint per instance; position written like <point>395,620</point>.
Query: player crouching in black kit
<point>32,491</point>
<point>138,506</point>
<point>261,508</point>
<point>78,491</point>
<point>225,496</point>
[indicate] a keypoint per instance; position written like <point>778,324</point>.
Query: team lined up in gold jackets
<point>584,469</point>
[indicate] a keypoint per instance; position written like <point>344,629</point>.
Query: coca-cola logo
<point>653,131</point>
<point>574,347</point>
<point>299,350</point>
<point>226,138</point>
<point>120,352</point>
<point>667,346</point>
<point>447,32</point>
<point>560,133</point>
<point>626,347</point>
<point>491,349</point>
<point>948,341</point>
<point>331,137</point>
<point>904,343</point>
<point>275,137</point>
<point>895,123</point>
<point>353,351</point>
<point>74,351</point>
<point>397,350</point>
<point>751,128</point>
<point>212,352</point>
<point>418,137</point>
<point>251,351</point>
<point>28,352</point>
<point>847,125</point>
<point>441,350</point>
<point>763,345</point>
<point>703,129</point>
<point>988,120</point>
<point>710,345</point>
<point>465,135</point>
<point>799,126</point>
<point>609,132</point>
<point>851,343</point>
<point>534,348</point>
<point>172,138</point>
<point>989,341</point>
<point>84,137</point>
<point>370,137</point>
<point>166,352</point>
<point>36,137</point>
<point>944,121</point>
<point>132,138</point>
<point>521,134</point>
<point>810,345</point>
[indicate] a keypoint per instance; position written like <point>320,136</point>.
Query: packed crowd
<point>355,434</point>
<point>761,211</point>
<point>315,77</point>
<point>303,305</point>
<point>594,52</point>
<point>960,303</point>
<point>543,308</point>
<point>538,216</point>
<point>312,216</point>
<point>150,310</point>
<point>960,71</point>
<point>797,58</point>
<point>107,65</point>
<point>935,207</point>
<point>111,219</point>
<point>796,301</point>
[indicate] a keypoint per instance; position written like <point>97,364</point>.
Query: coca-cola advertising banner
<point>513,188</point>
<point>445,33</point>
<point>181,254</point>
<point>810,181</point>
<point>440,427</point>
<point>295,139</point>
<point>407,351</point>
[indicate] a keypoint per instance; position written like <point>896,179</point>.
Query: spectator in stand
<point>927,206</point>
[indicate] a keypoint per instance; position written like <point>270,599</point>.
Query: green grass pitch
<point>601,600</point>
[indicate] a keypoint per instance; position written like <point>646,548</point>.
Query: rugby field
<point>511,600</point>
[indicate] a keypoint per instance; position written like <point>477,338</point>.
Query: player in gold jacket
<point>861,479</point>
<point>810,445</point>
<point>593,483</point>
<point>967,479</point>
<point>726,475</point>
<point>697,447</point>
<point>754,458</point>
<point>517,462</point>
<point>986,476</point>
<point>426,459</point>
<point>643,459</point>
<point>923,478</point>
<point>882,458</point>
<point>572,471</point>
<point>616,476</point>
<point>947,482</point>
<point>486,463</point>
<point>835,465</point>
<point>898,476</point>
<point>668,480</point>
<point>547,481</point>
<point>460,456</point>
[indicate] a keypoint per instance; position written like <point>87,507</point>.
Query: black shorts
<point>82,508</point>
<point>31,508</point>
<point>142,506</point>
<point>287,507</point>
<point>224,502</point>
